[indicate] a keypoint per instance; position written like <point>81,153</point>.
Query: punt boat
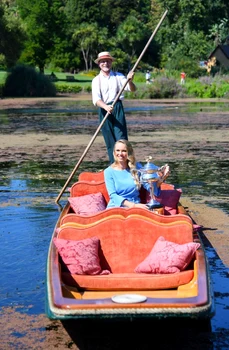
<point>126,263</point>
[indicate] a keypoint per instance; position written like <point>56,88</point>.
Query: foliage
<point>219,31</point>
<point>2,61</point>
<point>45,23</point>
<point>62,56</point>
<point>165,84</point>
<point>107,13</point>
<point>67,88</point>
<point>68,34</point>
<point>1,89</point>
<point>161,87</point>
<point>209,87</point>
<point>88,36</point>
<point>164,87</point>
<point>25,81</point>
<point>12,37</point>
<point>184,63</point>
<point>129,33</point>
<point>186,55</point>
<point>186,29</point>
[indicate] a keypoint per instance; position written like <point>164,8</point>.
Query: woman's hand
<point>141,205</point>
<point>129,204</point>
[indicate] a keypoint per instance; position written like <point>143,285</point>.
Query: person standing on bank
<point>148,76</point>
<point>105,87</point>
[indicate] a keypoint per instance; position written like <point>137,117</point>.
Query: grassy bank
<point>163,85</point>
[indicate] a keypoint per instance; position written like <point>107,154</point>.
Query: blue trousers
<point>114,127</point>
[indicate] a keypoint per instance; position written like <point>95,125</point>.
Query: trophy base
<point>153,202</point>
<point>156,207</point>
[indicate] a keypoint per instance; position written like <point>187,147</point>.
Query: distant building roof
<point>223,48</point>
<point>221,53</point>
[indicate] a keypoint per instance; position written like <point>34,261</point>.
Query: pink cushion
<point>80,257</point>
<point>88,204</point>
<point>168,257</point>
<point>170,199</point>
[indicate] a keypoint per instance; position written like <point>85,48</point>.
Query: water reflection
<point>195,179</point>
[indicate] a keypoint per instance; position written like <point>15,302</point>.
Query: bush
<point>209,87</point>
<point>88,89</point>
<point>25,81</point>
<point>69,89</point>
<point>163,87</point>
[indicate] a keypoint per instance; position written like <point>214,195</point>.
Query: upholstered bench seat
<point>128,281</point>
<point>124,242</point>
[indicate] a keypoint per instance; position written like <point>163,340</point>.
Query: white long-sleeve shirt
<point>106,88</point>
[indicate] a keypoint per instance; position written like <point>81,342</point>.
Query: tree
<point>88,37</point>
<point>45,22</point>
<point>12,36</point>
<point>129,34</point>
<point>70,33</point>
<point>219,32</point>
<point>106,13</point>
<point>184,31</point>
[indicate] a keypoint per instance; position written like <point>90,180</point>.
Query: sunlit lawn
<point>2,76</point>
<point>81,79</point>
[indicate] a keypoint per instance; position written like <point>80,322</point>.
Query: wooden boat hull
<point>66,301</point>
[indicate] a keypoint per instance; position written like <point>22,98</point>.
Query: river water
<point>29,186</point>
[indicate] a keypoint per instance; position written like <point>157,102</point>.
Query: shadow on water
<point>144,334</point>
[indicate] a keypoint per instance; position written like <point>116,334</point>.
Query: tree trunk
<point>42,69</point>
<point>85,59</point>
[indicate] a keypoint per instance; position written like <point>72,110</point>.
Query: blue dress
<point>120,186</point>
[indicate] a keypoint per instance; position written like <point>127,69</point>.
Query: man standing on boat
<point>105,87</point>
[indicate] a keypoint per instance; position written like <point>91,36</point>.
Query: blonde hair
<point>131,160</point>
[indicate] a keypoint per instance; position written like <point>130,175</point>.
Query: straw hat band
<point>104,55</point>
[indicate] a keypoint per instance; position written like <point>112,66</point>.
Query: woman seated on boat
<point>122,178</point>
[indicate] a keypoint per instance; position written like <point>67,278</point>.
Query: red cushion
<point>88,204</point>
<point>169,199</point>
<point>80,257</point>
<point>168,257</point>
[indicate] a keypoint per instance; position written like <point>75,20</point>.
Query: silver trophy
<point>151,173</point>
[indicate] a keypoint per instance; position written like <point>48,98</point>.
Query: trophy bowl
<point>150,173</point>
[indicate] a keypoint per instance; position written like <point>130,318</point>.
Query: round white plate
<point>128,298</point>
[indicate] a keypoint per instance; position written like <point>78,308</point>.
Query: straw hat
<point>104,55</point>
